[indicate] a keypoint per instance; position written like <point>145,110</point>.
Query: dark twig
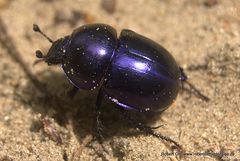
<point>7,42</point>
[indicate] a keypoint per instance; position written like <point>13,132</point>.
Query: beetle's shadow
<point>79,112</point>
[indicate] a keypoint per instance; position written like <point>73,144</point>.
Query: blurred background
<point>38,122</point>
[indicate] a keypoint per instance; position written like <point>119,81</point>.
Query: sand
<point>43,124</point>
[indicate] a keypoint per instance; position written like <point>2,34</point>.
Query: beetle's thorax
<point>89,54</point>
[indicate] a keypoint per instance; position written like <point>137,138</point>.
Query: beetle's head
<point>57,51</point>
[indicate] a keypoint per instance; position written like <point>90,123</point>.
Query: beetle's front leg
<point>98,128</point>
<point>71,93</point>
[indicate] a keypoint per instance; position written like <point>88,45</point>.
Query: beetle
<point>132,71</point>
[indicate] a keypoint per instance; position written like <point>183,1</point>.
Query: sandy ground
<point>45,125</point>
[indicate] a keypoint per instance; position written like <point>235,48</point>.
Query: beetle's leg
<point>71,93</point>
<point>98,128</point>
<point>193,89</point>
<point>148,130</point>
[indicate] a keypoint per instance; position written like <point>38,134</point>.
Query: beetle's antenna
<point>39,55</point>
<point>36,28</point>
<point>193,89</point>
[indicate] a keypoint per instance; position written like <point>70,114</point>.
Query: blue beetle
<point>132,71</point>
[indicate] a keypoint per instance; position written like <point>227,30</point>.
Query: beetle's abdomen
<point>142,75</point>
<point>88,54</point>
